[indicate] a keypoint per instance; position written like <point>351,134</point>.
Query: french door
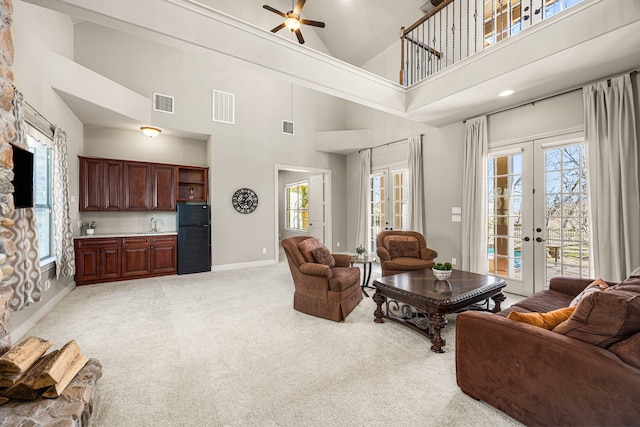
<point>537,219</point>
<point>389,201</point>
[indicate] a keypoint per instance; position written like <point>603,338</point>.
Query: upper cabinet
<point>118,185</point>
<point>100,185</point>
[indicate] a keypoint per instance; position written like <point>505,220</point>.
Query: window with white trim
<point>42,186</point>
<point>297,203</point>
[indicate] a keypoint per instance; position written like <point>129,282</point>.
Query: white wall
<point>240,155</point>
<point>35,33</point>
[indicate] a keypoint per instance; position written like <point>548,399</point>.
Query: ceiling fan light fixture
<point>151,132</point>
<point>292,24</point>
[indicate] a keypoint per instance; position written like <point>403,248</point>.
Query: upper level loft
<point>457,29</point>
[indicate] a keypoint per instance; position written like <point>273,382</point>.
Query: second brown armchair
<point>402,251</point>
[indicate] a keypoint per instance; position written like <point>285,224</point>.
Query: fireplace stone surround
<point>74,407</point>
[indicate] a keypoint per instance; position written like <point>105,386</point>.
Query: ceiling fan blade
<point>277,12</point>
<point>300,38</point>
<point>299,7</point>
<point>312,23</point>
<point>278,28</point>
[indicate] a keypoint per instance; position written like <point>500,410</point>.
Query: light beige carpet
<point>227,349</point>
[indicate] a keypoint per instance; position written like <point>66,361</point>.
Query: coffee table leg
<point>437,322</point>
<point>498,300</point>
<point>379,299</point>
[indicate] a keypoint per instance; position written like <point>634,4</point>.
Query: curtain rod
<point>386,144</point>
<point>631,73</point>
<point>52,127</point>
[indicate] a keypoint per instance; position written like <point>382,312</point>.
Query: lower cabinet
<point>120,258</point>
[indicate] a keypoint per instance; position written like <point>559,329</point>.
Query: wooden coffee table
<point>420,301</point>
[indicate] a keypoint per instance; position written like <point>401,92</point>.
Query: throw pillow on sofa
<point>323,256</point>
<point>403,247</point>
<point>547,320</point>
<point>597,285</point>
<point>604,318</point>
<point>307,246</point>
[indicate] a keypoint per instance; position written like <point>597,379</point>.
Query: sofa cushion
<point>543,301</point>
<point>548,320</point>
<point>597,285</point>
<point>323,255</point>
<point>632,284</point>
<point>307,246</point>
<point>402,246</point>
<point>628,350</point>
<point>604,318</point>
<point>343,278</point>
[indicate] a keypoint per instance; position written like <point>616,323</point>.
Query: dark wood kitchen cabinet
<point>164,254</point>
<point>97,260</point>
<point>100,184</point>
<point>149,187</point>
<point>120,258</point>
<point>135,256</point>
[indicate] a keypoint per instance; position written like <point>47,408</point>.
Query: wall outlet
<point>338,244</point>
<point>79,223</point>
<point>453,261</point>
<point>264,250</point>
<point>47,285</point>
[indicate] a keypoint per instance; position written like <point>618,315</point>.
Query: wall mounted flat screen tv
<point>23,178</point>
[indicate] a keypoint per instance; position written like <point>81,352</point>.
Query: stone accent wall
<point>7,134</point>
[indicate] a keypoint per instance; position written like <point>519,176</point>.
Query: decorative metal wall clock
<point>245,200</point>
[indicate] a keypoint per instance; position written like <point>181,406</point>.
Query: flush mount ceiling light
<point>151,132</point>
<point>506,92</point>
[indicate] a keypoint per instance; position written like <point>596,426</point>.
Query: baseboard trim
<point>241,265</point>
<point>21,330</point>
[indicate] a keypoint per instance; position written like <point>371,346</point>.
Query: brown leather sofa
<point>557,377</point>
<point>330,292</point>
<point>402,251</point>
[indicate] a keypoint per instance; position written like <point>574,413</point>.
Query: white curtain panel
<point>62,235</point>
<point>474,196</point>
<point>363,200</point>
<point>416,209</point>
<point>610,132</point>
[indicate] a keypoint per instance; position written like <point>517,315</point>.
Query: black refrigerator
<point>194,238</point>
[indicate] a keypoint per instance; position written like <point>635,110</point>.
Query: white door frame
<point>327,204</point>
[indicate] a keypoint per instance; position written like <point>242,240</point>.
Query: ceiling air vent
<point>224,105</point>
<point>288,127</point>
<point>163,103</point>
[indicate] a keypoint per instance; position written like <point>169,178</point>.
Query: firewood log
<point>22,356</point>
<point>3,400</point>
<point>23,389</point>
<point>56,390</point>
<point>52,374</point>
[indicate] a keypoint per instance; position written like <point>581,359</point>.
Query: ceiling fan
<point>292,20</point>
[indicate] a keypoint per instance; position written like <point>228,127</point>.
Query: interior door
<point>316,207</point>
<point>538,224</point>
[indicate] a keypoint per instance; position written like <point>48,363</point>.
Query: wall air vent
<point>224,106</point>
<point>163,103</point>
<point>288,127</point>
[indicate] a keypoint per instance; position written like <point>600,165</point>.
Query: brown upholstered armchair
<point>402,251</point>
<point>322,289</point>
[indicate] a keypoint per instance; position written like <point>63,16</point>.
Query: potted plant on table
<point>90,227</point>
<point>442,271</point>
<point>361,251</point>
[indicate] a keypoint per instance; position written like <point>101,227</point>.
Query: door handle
<point>526,239</point>
<point>539,239</point>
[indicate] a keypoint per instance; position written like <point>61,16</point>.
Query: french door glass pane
<point>566,212</point>
<point>504,245</point>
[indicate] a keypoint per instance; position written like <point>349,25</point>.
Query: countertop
<point>127,234</point>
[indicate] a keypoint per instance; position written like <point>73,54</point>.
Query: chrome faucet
<point>153,226</point>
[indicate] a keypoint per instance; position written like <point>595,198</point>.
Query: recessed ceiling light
<point>506,92</point>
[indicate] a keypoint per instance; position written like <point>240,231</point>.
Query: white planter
<point>90,231</point>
